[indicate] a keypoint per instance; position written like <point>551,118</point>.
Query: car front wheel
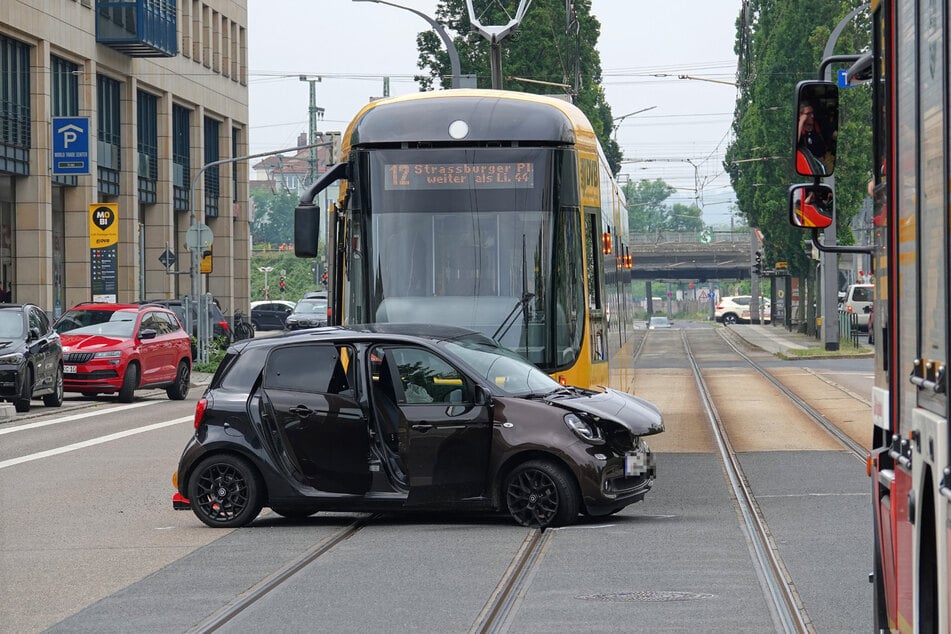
<point>22,402</point>
<point>56,398</point>
<point>129,382</point>
<point>225,491</point>
<point>540,493</point>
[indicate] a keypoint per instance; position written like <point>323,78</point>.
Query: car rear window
<point>860,294</point>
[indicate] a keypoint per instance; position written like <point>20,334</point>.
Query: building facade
<point>162,89</point>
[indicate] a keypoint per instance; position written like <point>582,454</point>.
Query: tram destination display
<point>417,176</point>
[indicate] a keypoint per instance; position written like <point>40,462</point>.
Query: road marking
<point>66,419</point>
<point>95,441</point>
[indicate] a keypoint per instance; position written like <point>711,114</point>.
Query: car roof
<point>283,302</point>
<point>430,332</point>
<point>105,306</point>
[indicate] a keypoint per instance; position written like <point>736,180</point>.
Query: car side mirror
<point>481,396</point>
<point>816,127</point>
<point>147,333</point>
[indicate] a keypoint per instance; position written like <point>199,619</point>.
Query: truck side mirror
<point>810,206</point>
<point>817,127</point>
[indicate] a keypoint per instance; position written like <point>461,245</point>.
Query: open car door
<point>444,436</point>
<point>319,425</point>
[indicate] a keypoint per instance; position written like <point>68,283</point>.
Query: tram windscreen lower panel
<point>467,238</point>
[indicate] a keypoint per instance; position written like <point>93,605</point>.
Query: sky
<point>674,60</point>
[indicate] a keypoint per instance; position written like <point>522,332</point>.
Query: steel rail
<point>786,609</point>
<point>503,600</point>
<point>265,586</point>
<point>856,448</point>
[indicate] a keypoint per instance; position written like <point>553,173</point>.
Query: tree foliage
<point>780,44</point>
<point>647,213</point>
<point>273,217</point>
<point>544,48</point>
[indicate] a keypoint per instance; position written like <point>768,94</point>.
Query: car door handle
<point>301,411</point>
<point>422,427</point>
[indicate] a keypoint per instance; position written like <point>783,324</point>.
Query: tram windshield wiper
<point>509,320</point>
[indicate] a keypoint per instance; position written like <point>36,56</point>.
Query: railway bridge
<point>714,255</point>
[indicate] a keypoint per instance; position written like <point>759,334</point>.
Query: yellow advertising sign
<point>103,225</point>
<point>207,265</point>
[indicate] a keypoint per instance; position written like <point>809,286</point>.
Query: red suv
<point>109,348</point>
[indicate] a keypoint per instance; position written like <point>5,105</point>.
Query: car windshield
<point>112,323</point>
<point>11,325</point>
<point>311,307</point>
<point>503,368</point>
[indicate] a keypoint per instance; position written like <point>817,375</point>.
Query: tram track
<point>834,430</point>
<point>494,616</point>
<point>786,607</point>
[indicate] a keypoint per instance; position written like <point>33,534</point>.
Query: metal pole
<point>443,35</point>
<point>830,261</point>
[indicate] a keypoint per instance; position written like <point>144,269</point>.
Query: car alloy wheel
<point>129,382</point>
<point>22,402</point>
<point>178,390</point>
<point>729,319</point>
<point>225,491</point>
<point>540,494</point>
<point>56,398</point>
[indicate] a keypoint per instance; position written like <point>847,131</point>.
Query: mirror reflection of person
<point>813,154</point>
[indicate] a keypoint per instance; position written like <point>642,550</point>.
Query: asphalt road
<point>89,541</point>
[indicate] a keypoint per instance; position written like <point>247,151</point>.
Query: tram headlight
<point>583,429</point>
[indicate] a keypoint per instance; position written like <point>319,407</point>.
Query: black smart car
<point>407,417</point>
<point>31,357</point>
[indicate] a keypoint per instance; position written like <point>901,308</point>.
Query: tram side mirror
<point>810,206</point>
<point>817,127</point>
<point>306,230</point>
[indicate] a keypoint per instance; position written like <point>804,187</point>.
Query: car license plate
<point>634,463</point>
<point>69,369</point>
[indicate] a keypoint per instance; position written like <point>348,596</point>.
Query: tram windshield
<point>470,238</point>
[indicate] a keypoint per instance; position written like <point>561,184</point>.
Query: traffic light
<point>323,279</point>
<point>758,263</point>
<point>206,260</point>
<point>283,287</point>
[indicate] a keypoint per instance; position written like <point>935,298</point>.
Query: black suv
<point>221,328</point>
<point>31,357</point>
<point>392,417</point>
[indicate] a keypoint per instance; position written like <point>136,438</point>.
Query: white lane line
<point>95,441</point>
<point>66,419</point>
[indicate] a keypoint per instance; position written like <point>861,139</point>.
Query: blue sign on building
<point>70,145</point>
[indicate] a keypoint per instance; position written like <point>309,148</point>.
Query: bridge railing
<point>689,237</point>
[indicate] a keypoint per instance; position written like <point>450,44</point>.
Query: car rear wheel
<point>22,402</point>
<point>178,390</point>
<point>56,398</point>
<point>729,318</point>
<point>540,493</point>
<point>225,491</point>
<point>129,382</point>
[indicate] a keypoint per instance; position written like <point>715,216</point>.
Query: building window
<point>14,107</point>
<point>181,159</point>
<point>148,146</point>
<point>110,135</point>
<point>64,98</point>
<point>234,165</point>
<point>212,178</point>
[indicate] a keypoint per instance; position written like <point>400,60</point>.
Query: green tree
<point>780,44</point>
<point>685,218</point>
<point>546,47</point>
<point>646,211</point>
<point>273,217</point>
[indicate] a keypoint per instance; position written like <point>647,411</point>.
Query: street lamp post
<point>441,31</point>
<point>266,270</point>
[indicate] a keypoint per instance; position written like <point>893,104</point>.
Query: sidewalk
<point>785,344</point>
